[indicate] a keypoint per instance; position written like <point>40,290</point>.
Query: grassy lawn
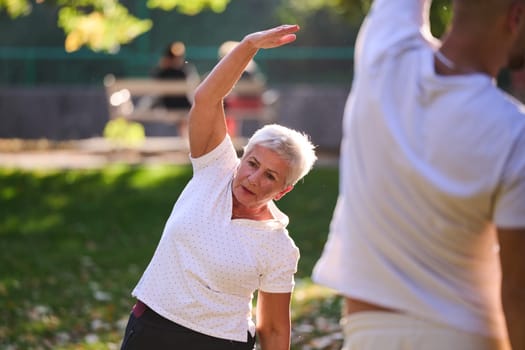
<point>74,244</point>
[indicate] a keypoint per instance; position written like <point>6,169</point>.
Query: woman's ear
<point>283,192</point>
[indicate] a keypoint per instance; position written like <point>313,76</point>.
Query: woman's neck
<point>240,211</point>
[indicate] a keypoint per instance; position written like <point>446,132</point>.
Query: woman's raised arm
<point>207,125</point>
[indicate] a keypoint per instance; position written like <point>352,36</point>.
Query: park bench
<point>132,99</point>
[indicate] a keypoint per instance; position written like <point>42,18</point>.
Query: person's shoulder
<point>224,156</point>
<point>285,240</point>
<point>289,247</point>
<point>278,248</point>
<point>508,105</point>
<point>490,106</point>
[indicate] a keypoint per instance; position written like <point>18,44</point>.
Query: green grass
<point>74,244</point>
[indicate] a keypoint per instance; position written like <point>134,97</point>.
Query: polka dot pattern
<point>206,266</point>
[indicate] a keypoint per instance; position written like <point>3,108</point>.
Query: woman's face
<point>260,178</point>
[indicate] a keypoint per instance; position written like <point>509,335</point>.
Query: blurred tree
<point>104,25</point>
<point>297,11</point>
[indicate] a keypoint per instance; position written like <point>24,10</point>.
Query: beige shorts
<point>377,330</point>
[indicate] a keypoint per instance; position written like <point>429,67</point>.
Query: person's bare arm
<point>207,126</point>
<point>512,245</point>
<point>273,320</point>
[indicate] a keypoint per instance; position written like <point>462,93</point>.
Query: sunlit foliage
<point>189,7</point>
<point>15,8</point>
<point>124,133</point>
<point>104,25</point>
<point>297,11</point>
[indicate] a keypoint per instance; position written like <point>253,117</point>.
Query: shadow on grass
<point>74,244</point>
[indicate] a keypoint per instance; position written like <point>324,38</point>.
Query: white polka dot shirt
<point>207,266</point>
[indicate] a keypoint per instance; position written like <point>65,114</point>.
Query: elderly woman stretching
<point>225,237</point>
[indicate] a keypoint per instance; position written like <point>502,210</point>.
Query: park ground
<point>72,213</point>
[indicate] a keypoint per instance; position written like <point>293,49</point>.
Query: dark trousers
<point>147,330</point>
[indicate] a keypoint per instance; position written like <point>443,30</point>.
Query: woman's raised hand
<point>207,126</point>
<point>273,37</point>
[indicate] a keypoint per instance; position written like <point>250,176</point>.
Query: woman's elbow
<point>274,338</point>
<point>200,96</point>
<point>206,99</point>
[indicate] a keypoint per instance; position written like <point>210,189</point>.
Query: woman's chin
<point>243,197</point>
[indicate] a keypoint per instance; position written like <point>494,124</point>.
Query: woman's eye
<point>270,176</point>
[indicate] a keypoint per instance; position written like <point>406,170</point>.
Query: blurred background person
<point>173,66</point>
<point>251,72</point>
<point>241,105</point>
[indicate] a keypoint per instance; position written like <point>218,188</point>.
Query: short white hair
<point>291,145</point>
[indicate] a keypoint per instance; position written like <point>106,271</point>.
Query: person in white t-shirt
<point>225,238</point>
<point>427,240</point>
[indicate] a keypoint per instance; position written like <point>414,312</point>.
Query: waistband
<point>147,315</point>
<point>378,324</point>
<point>139,308</point>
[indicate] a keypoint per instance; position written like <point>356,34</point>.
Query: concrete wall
<point>70,113</point>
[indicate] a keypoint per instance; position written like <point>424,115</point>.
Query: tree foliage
<point>104,25</point>
<point>298,11</point>
<point>101,25</point>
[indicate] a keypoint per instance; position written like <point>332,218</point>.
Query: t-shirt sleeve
<point>222,156</point>
<point>281,266</point>
<point>510,202</point>
<point>389,28</point>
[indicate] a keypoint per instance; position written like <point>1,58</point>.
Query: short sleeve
<point>224,155</point>
<point>391,27</point>
<point>281,266</point>
<point>510,201</point>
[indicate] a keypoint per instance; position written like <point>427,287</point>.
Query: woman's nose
<point>253,178</point>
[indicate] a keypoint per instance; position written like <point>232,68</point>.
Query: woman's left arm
<point>273,320</point>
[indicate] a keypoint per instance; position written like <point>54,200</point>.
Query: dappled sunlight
<point>41,320</point>
<point>76,242</point>
<point>104,29</point>
<point>6,193</point>
<point>29,226</point>
<point>155,175</point>
<point>316,312</point>
<point>189,7</point>
<point>306,291</point>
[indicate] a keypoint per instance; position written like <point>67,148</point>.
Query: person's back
<point>430,162</point>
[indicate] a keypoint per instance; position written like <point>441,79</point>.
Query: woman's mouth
<point>247,190</point>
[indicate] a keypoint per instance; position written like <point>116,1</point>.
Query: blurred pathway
<point>99,152</point>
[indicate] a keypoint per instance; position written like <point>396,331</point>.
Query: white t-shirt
<point>430,165</point>
<point>207,266</point>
